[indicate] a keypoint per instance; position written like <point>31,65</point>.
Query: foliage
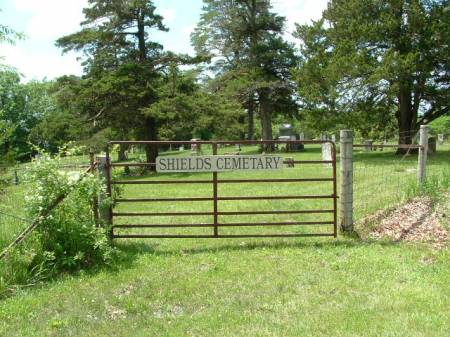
<point>9,35</point>
<point>121,65</point>
<point>23,108</point>
<point>184,110</point>
<point>69,238</point>
<point>251,60</point>
<point>441,125</point>
<point>368,62</point>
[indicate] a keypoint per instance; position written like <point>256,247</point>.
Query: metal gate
<point>217,215</point>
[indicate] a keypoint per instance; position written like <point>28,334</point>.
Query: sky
<point>44,21</point>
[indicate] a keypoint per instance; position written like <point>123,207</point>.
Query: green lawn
<point>251,287</point>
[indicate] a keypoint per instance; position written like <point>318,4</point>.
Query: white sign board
<point>169,164</point>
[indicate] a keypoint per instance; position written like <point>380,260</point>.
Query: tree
<point>121,64</point>
<point>244,39</point>
<point>22,107</point>
<point>185,110</point>
<point>375,60</point>
<point>8,34</point>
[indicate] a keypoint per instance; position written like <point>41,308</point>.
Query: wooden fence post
<point>105,211</point>
<point>346,198</point>
<point>95,199</point>
<point>423,150</point>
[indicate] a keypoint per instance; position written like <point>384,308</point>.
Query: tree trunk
<point>151,151</point>
<point>122,152</point>
<point>406,117</point>
<point>266,120</point>
<point>251,118</point>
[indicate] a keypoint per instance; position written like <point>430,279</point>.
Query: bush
<point>68,237</point>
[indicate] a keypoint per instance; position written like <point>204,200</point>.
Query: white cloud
<point>41,64</point>
<point>51,19</point>
<point>299,11</point>
<point>169,15</point>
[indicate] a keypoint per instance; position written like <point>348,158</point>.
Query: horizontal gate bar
<point>318,211</point>
<point>156,182</point>
<point>133,164</point>
<point>233,224</point>
<point>145,236</point>
<point>222,181</point>
<point>165,199</point>
<point>223,198</point>
<point>222,142</point>
<point>206,225</point>
<point>281,197</point>
<point>274,180</point>
<point>163,214</point>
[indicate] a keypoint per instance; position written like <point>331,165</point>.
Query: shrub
<point>68,237</point>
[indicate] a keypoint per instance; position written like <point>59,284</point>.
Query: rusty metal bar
<point>307,162</point>
<point>280,197</point>
<point>145,236</point>
<point>280,223</point>
<point>109,191</point>
<point>162,214</point>
<point>165,199</point>
<point>157,182</point>
<point>231,224</point>
<point>334,192</point>
<point>220,181</point>
<point>274,180</point>
<point>222,142</point>
<point>216,219</point>
<point>319,211</point>
<point>163,225</point>
<point>133,164</point>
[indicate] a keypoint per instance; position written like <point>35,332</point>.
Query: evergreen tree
<point>244,39</point>
<point>377,60</point>
<point>121,64</point>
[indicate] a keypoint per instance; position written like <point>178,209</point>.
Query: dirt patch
<point>416,221</point>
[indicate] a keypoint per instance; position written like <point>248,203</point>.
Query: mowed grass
<point>248,286</point>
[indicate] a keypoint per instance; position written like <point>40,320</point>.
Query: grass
<point>250,287</point>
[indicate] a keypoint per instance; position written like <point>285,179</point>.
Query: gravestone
<point>368,145</point>
<point>195,148</point>
<point>432,145</point>
<point>181,148</point>
<point>326,153</point>
<point>441,138</point>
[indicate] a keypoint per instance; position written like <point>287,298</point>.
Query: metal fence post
<point>346,198</point>
<point>105,210</point>
<point>423,150</point>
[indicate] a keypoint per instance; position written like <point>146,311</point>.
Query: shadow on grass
<point>131,250</point>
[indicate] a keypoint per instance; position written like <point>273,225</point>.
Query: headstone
<point>326,153</point>
<point>432,145</point>
<point>333,138</point>
<point>238,147</point>
<point>195,148</point>
<point>301,136</point>
<point>368,145</point>
<point>181,148</point>
<point>441,138</point>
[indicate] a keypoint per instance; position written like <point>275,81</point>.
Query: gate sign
<point>169,164</point>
